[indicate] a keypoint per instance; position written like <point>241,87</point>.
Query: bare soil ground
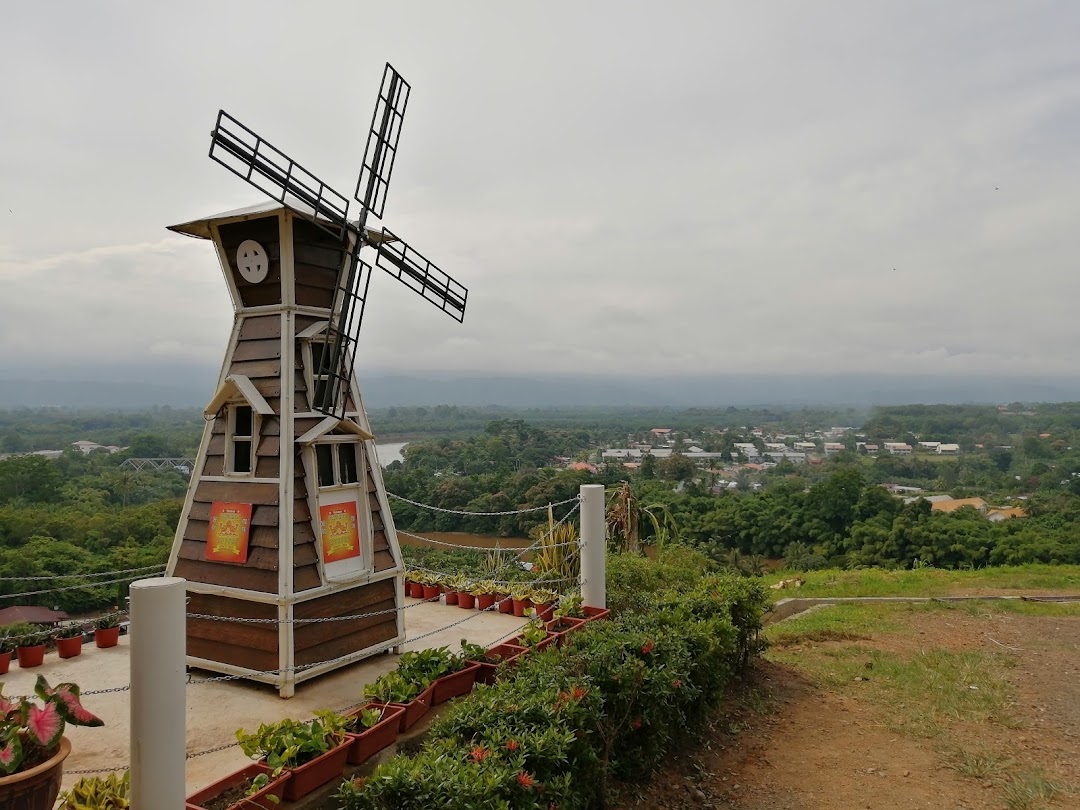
<point>800,733</point>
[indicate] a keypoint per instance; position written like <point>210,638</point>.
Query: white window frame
<point>345,570</point>
<point>231,438</point>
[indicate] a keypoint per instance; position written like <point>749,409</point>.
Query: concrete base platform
<point>216,710</point>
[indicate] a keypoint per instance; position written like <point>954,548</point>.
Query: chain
<point>120,768</point>
<point>68,588</point>
<point>213,750</point>
<point>81,576</point>
<point>481,514</point>
<point>475,548</point>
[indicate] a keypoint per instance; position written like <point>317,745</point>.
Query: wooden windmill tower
<point>286,517</point>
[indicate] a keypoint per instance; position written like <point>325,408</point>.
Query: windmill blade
<point>244,153</point>
<point>409,267</point>
<point>338,346</point>
<point>382,143</point>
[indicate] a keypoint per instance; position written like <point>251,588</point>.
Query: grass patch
<point>923,692</point>
<point>833,623</point>
<point>1016,607</point>
<point>931,581</point>
<point>1030,790</point>
<point>978,764</point>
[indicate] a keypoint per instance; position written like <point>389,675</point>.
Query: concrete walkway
<point>216,710</point>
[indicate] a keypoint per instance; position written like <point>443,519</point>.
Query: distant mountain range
<point>192,386</point>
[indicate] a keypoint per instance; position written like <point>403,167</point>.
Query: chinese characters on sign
<point>340,534</point>
<point>227,537</point>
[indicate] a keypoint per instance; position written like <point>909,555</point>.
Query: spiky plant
<point>627,516</point>
<point>558,555</point>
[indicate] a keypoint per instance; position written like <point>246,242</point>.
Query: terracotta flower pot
<point>544,611</point>
<point>263,799</point>
<point>5,662</point>
<point>452,597</point>
<point>109,637</point>
<point>593,614</point>
<point>370,741</point>
<point>414,709</point>
<point>37,787</point>
<point>466,600</point>
<point>316,773</point>
<point>506,604</point>
<point>508,652</point>
<point>30,656</point>
<point>416,590</point>
<point>431,591</point>
<point>453,685</point>
<point>485,601</point>
<point>562,627</point>
<point>520,606</point>
<point>69,647</point>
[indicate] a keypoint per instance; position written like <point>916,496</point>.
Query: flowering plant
<point>30,733</point>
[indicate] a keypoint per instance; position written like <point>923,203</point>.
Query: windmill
<point>286,517</point>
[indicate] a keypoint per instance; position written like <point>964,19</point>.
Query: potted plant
<point>253,786</point>
<point>69,639</point>
<point>485,592</point>
<point>544,601</point>
<point>455,585</point>
<point>466,597</point>
<point>372,728</point>
<point>9,636</point>
<point>107,630</point>
<point>489,660</point>
<point>415,584</point>
<point>112,791</point>
<point>314,752</point>
<point>561,626</point>
<point>504,600</point>
<point>34,746</point>
<point>432,586</point>
<point>392,689</point>
<point>30,648</point>
<point>520,595</point>
<point>534,636</point>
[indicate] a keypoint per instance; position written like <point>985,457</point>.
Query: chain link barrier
<point>479,514</point>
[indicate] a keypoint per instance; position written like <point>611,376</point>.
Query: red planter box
<point>371,741</point>
<point>30,656</point>
<point>312,775</point>
<point>520,606</point>
<point>569,625</point>
<point>592,613</point>
<point>517,642</point>
<point>453,685</point>
<point>484,601</point>
<point>109,637</point>
<point>485,673</point>
<point>414,709</point>
<point>69,647</point>
<point>261,800</point>
<point>466,600</point>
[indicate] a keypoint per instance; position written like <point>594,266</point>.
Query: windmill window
<point>241,439</point>
<point>319,381</point>
<point>336,464</point>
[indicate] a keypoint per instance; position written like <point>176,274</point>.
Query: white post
<point>593,546</point>
<point>158,692</point>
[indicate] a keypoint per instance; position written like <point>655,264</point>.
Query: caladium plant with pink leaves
<point>30,733</point>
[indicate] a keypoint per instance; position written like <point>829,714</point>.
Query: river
<point>390,452</point>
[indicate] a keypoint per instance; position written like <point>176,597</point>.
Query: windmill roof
<point>200,228</point>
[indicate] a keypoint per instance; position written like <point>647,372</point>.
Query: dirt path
<point>792,739</point>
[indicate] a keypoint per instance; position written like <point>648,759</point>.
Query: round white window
<point>252,261</point>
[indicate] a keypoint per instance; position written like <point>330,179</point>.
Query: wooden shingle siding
<point>328,640</point>
<point>228,575</point>
<point>265,232</point>
<point>317,257</point>
<point>238,643</point>
<point>305,556</point>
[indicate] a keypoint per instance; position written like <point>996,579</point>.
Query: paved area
<point>216,710</point>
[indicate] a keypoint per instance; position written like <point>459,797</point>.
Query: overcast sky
<point>624,187</point>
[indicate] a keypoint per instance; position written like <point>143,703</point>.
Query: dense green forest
<point>78,514</point>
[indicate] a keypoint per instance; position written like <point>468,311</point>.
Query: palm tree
<point>626,516</point>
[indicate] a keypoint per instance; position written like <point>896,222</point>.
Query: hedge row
<point>608,705</point>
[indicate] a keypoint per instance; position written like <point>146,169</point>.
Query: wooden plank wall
<point>259,573</point>
<point>328,640</point>
<point>241,644</point>
<point>305,527</point>
<point>264,231</point>
<point>317,257</point>
<point>384,560</point>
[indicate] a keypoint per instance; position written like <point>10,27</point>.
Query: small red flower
<point>579,692</point>
<point>479,754</point>
<point>676,683</point>
<point>647,647</point>
<point>512,745</point>
<point>525,780</point>
<point>637,722</point>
